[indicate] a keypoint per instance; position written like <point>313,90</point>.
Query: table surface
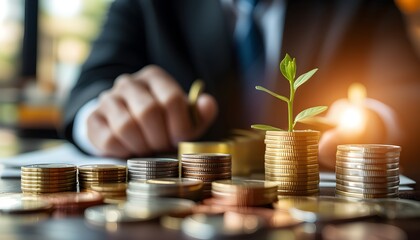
<point>75,226</point>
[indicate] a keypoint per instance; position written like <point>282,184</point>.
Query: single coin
<point>367,190</point>
<point>398,208</point>
<point>291,166</point>
<point>101,167</point>
<point>293,178</point>
<point>367,179</point>
<point>297,133</point>
<point>363,230</point>
<point>367,185</point>
<point>17,203</point>
<point>196,89</point>
<point>206,226</point>
<point>363,166</point>
<point>367,173</point>
<point>73,199</point>
<point>369,148</point>
<point>365,195</point>
<point>303,150</point>
<point>108,187</point>
<point>330,209</point>
<point>48,167</point>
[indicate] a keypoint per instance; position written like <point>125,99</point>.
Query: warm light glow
<point>352,119</point>
<point>357,93</point>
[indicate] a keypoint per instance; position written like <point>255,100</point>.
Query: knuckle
<point>173,100</point>
<point>148,110</point>
<point>122,81</point>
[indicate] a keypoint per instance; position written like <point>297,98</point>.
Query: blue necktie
<point>250,53</point>
<point>248,39</point>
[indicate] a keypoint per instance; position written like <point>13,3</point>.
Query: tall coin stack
<point>150,168</point>
<point>101,173</point>
<point>48,178</point>
<point>243,192</point>
<point>291,160</point>
<point>207,167</point>
<point>367,171</point>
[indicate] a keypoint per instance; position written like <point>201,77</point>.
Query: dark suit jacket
<point>349,41</point>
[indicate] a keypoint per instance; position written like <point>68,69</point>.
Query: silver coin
<point>330,209</point>
<point>398,208</point>
<point>209,226</point>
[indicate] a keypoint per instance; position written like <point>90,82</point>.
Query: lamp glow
<point>353,117</point>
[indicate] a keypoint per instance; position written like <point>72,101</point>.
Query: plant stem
<point>290,107</point>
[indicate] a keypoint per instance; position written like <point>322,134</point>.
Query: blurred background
<point>42,45</point>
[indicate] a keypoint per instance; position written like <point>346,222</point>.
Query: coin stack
<point>207,167</point>
<point>291,160</point>
<point>150,168</point>
<point>243,192</point>
<point>101,173</point>
<point>367,171</point>
<point>48,178</point>
<point>139,190</point>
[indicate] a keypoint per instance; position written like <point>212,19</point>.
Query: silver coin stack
<point>207,167</point>
<point>367,171</point>
<point>139,190</point>
<point>150,168</point>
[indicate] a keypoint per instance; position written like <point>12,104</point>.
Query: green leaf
<point>310,112</point>
<point>265,127</point>
<point>288,67</point>
<point>272,93</point>
<point>303,78</point>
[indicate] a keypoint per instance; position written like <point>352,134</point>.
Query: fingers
<point>146,112</point>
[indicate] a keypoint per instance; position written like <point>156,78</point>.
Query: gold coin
<point>389,156</point>
<point>297,133</point>
<point>369,148</point>
<point>367,173</point>
<point>48,174</point>
<point>283,171</point>
<point>290,139</point>
<point>299,188</point>
<point>283,147</point>
<point>196,89</point>
<point>48,167</point>
<point>109,187</point>
<point>207,170</point>
<point>285,203</point>
<point>49,177</point>
<point>365,195</point>
<point>308,192</point>
<point>383,167</point>
<point>45,182</point>
<point>293,178</point>
<point>233,185</point>
<point>367,179</point>
<point>101,167</point>
<point>291,152</point>
<point>291,143</point>
<point>367,185</point>
<point>290,166</point>
<point>297,183</point>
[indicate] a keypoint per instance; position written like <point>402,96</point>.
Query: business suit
<point>190,39</point>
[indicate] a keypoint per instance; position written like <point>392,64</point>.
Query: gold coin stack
<point>101,173</point>
<point>150,168</point>
<point>48,178</point>
<point>367,171</point>
<point>140,190</point>
<point>207,167</point>
<point>291,160</point>
<point>243,192</point>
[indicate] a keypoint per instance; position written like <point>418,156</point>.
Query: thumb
<point>207,112</point>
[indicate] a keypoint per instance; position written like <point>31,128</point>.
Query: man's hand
<point>146,112</point>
